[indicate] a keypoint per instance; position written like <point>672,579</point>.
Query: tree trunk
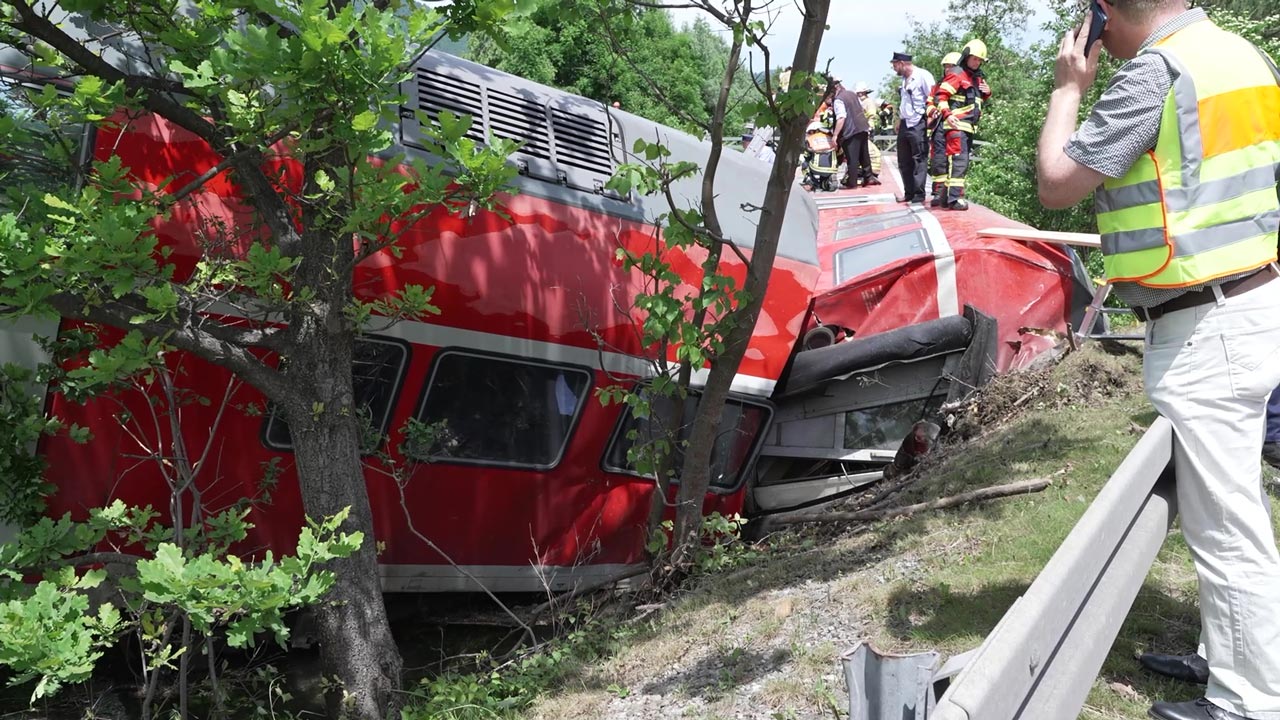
<point>696,477</point>
<point>356,645</point>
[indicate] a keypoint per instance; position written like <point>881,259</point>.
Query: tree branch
<point>1018,488</point>
<point>39,27</point>
<point>96,558</point>
<point>653,86</point>
<point>227,162</point>
<point>705,232</point>
<point>260,191</point>
<point>223,345</point>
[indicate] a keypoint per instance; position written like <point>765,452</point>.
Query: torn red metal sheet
<point>890,265</point>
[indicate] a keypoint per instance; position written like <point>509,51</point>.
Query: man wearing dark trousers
<point>852,131</point>
<point>1271,448</point>
<point>913,151</point>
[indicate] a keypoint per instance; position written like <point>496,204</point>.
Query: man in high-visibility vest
<point>1183,149</point>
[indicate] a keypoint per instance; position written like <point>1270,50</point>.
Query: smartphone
<point>1096,27</point>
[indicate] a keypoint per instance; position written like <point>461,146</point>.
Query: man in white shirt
<point>913,153</point>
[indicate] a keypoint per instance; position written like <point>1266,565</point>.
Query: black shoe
<point>960,204</point>
<point>1187,668</point>
<point>1271,454</point>
<point>918,200</point>
<point>1191,710</point>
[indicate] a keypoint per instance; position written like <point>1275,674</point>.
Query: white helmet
<point>861,88</point>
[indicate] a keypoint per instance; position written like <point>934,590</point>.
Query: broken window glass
<point>500,411</point>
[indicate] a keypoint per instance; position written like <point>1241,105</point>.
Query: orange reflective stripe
<point>1232,129</point>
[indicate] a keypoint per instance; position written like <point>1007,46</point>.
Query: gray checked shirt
<point>1124,125</point>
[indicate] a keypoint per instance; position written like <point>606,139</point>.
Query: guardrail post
<point>885,686</point>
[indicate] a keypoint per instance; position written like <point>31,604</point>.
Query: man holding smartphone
<point>1183,149</point>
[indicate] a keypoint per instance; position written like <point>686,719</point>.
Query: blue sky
<point>863,34</point>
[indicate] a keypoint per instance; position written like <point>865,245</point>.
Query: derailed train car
<point>531,487</point>
<point>915,308</point>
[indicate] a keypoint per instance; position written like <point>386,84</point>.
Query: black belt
<point>1205,295</point>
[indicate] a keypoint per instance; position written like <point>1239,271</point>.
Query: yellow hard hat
<point>976,48</point>
<point>951,58</point>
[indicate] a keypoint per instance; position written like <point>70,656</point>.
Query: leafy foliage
<point>50,632</point>
<point>503,689</point>
<point>1257,20</point>
<point>52,635</point>
<point>722,547</point>
<point>297,105</point>
<point>666,74</point>
<point>22,487</point>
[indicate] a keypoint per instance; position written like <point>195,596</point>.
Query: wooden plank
<point>1091,240</point>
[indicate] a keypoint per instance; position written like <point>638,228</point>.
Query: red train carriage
<point>529,482</point>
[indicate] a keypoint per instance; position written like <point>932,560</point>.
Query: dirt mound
<point>1094,374</point>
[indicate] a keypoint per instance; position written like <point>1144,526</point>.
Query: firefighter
<point>869,107</point>
<point>886,115</point>
<point>937,133</point>
<point>959,102</point>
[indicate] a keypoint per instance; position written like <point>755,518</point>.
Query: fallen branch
<point>886,493</point>
<point>1019,488</point>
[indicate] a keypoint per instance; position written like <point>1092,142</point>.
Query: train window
<point>741,425</point>
<point>863,258</point>
<point>42,149</point>
<point>482,409</point>
<point>884,427</point>
<point>376,372</point>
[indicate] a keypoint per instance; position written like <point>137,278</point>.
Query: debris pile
<point>1094,374</point>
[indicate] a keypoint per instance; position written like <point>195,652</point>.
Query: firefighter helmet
<point>976,48</point>
<point>951,58</point>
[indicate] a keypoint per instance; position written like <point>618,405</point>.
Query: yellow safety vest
<point>1202,204</point>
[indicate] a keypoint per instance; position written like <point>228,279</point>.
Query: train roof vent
<point>564,139</point>
<point>521,119</point>
<point>438,91</point>
<point>582,142</point>
<point>585,147</point>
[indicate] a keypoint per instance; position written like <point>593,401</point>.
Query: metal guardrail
<point>1041,659</point>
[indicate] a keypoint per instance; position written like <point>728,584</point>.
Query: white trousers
<point>1209,370</point>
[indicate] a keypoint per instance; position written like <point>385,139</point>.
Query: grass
<point>773,631</point>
